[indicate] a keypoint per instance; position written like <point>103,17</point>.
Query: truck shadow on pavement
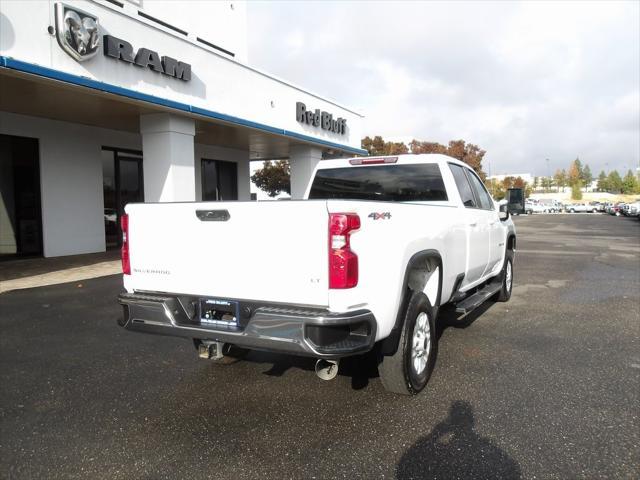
<point>363,368</point>
<point>454,449</point>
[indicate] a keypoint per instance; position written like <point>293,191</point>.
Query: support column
<point>169,161</point>
<point>303,161</point>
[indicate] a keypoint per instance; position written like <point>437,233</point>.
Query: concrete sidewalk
<point>38,272</point>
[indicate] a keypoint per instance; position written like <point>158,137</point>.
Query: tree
<point>579,168</point>
<point>273,177</point>
<point>495,188</point>
<point>603,184</point>
<point>469,153</point>
<point>575,175</point>
<point>519,182</point>
<point>575,172</point>
<point>528,190</point>
<point>630,183</point>
<point>507,182</point>
<point>587,177</point>
<point>377,146</point>
<point>561,178</point>
<point>417,147</point>
<point>614,182</point>
<point>576,190</point>
<point>373,145</point>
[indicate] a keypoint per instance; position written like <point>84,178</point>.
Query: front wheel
<point>408,370</point>
<point>506,277</point>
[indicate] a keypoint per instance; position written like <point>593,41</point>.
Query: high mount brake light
<point>343,263</point>
<point>126,263</point>
<point>373,161</point>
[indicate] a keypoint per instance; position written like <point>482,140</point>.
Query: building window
<point>219,180</point>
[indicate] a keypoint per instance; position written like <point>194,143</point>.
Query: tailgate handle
<point>213,215</point>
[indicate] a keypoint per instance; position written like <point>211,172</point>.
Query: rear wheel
<point>408,370</point>
<point>506,277</point>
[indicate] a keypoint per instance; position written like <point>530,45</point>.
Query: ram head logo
<point>77,32</point>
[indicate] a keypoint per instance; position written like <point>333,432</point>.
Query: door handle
<point>213,215</point>
<point>473,224</point>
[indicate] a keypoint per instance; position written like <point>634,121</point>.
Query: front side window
<point>385,183</point>
<point>481,192</point>
<point>462,182</point>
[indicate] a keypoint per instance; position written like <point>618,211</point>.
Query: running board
<point>474,301</point>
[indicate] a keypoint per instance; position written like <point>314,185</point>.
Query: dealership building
<point>106,102</point>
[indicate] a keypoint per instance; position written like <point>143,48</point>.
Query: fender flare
<point>389,345</point>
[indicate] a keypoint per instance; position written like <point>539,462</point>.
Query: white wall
<point>70,179</point>
<point>223,23</point>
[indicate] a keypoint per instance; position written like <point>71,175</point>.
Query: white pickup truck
<point>364,262</point>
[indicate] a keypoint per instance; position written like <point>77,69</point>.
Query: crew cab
<point>363,263</point>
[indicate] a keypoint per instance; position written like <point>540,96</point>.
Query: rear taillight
<point>126,264</point>
<point>343,263</point>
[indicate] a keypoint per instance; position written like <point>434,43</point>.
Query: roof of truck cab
<point>401,159</point>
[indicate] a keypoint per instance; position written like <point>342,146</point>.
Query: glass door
<point>219,180</point>
<point>20,210</point>
<point>122,183</point>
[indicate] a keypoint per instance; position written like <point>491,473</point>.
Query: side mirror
<point>515,201</point>
<point>503,212</point>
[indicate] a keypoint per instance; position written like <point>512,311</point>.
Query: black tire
<point>507,286</point>
<point>398,372</point>
<point>572,211</point>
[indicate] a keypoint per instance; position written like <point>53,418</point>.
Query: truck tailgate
<point>275,251</point>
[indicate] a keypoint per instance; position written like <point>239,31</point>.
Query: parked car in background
<point>552,206</point>
<point>534,206</point>
<point>579,208</point>
<point>634,209</point>
<point>614,209</point>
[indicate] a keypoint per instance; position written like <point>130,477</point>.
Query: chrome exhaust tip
<point>327,369</point>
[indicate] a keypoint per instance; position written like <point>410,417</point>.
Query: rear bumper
<point>278,328</point>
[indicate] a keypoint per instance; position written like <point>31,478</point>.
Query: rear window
<point>386,183</point>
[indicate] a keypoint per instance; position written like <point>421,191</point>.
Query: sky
<point>525,81</point>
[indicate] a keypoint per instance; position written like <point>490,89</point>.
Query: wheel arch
<point>415,279</point>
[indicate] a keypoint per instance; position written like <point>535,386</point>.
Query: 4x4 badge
<point>380,216</point>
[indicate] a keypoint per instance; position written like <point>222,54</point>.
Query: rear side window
<point>462,182</point>
<point>385,183</point>
<point>481,192</point>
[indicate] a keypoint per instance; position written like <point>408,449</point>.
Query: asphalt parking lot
<point>545,386</point>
